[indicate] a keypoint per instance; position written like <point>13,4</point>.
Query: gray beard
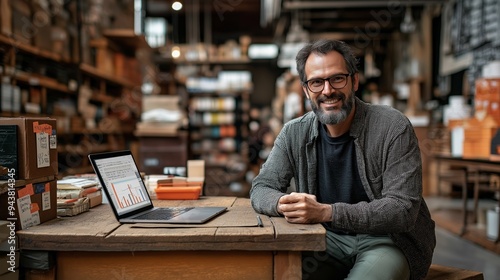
<point>335,118</point>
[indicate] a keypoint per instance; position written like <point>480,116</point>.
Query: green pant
<point>359,256</point>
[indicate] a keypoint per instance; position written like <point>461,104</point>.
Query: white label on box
<point>27,218</point>
<point>53,141</point>
<point>45,201</point>
<point>42,149</point>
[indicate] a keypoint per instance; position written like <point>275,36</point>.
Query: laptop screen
<point>123,183</point>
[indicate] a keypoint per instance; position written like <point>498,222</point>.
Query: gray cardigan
<point>390,168</point>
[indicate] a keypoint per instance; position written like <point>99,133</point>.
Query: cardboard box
<point>95,198</point>
<point>5,17</point>
<point>487,98</point>
<point>477,137</point>
<point>42,17</point>
<point>22,27</point>
<point>495,146</point>
<point>35,203</point>
<point>122,13</point>
<point>132,71</point>
<point>37,146</point>
<point>104,55</point>
<point>60,34</point>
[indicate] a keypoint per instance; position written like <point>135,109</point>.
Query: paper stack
<point>73,190</point>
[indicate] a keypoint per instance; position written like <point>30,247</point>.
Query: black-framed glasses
<point>338,81</point>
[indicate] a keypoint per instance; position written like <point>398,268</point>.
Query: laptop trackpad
<point>197,215</point>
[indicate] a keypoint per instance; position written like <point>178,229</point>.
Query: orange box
<point>487,99</point>
<point>185,193</point>
<point>477,137</point>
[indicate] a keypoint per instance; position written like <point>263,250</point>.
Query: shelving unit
<point>218,125</point>
<point>95,109</point>
<point>109,100</point>
<point>35,76</point>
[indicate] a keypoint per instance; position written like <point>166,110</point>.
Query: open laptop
<point>128,196</point>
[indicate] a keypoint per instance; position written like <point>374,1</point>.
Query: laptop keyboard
<point>163,213</point>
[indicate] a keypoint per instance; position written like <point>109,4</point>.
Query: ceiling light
<point>408,25</point>
<point>177,5</point>
<point>176,52</point>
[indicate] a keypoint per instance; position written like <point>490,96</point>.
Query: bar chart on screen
<point>128,192</point>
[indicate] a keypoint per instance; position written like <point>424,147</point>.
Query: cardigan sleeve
<point>273,179</point>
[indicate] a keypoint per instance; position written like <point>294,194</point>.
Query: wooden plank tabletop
<point>84,231</point>
<point>98,230</point>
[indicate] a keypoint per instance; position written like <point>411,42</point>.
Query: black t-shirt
<point>338,177</point>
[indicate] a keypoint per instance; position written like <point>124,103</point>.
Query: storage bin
<point>185,193</point>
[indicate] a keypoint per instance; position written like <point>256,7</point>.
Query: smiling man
<point>357,170</point>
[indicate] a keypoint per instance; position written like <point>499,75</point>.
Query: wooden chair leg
<point>476,197</point>
<point>464,202</point>
<point>498,216</point>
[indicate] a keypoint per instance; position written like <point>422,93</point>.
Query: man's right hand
<point>303,208</point>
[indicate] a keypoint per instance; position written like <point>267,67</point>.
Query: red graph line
<point>116,195</point>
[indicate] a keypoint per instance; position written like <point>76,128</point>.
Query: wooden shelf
<point>41,81</point>
<point>102,98</point>
<point>213,61</point>
<point>4,40</point>
<point>16,114</point>
<point>108,93</point>
<point>127,38</point>
<point>97,131</point>
<point>220,93</point>
<point>92,71</point>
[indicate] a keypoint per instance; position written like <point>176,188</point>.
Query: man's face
<point>331,106</point>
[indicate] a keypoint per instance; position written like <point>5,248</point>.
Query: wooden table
<point>93,245</point>
<point>468,167</point>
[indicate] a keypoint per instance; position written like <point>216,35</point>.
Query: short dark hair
<point>323,47</point>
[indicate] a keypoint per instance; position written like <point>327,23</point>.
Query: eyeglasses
<point>317,85</point>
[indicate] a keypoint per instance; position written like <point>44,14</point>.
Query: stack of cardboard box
<point>480,130</point>
<point>29,157</point>
<point>27,182</point>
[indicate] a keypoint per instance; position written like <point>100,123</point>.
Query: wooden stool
<point>439,272</point>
